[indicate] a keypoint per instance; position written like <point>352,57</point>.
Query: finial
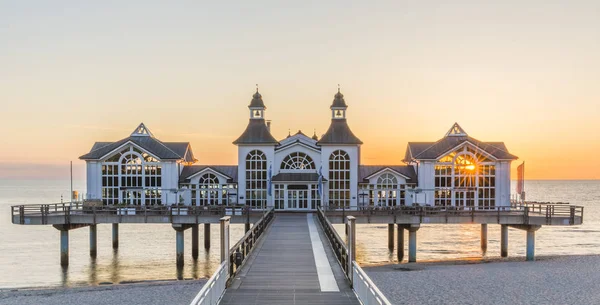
<point>289,132</point>
<point>338,88</point>
<point>256,88</point>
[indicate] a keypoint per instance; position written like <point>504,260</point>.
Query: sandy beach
<point>145,293</point>
<point>549,280</point>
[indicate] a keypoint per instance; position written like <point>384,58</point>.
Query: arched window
<point>339,179</point>
<point>131,177</point>
<point>297,161</point>
<point>256,179</point>
<point>208,187</point>
<point>465,177</point>
<point>387,190</point>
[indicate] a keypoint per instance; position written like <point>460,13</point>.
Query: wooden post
<point>503,240</point>
<point>115,235</point>
<point>400,243</point>
<point>391,236</point>
<point>484,240</point>
<point>351,243</point>
<point>224,226</point>
<point>207,236</point>
<point>195,241</point>
<point>93,241</point>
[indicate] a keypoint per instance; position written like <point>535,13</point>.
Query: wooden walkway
<point>283,268</point>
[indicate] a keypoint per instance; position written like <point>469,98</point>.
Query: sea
<point>30,255</point>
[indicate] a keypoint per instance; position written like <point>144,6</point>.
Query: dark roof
<point>183,149</point>
<point>227,170</point>
<point>256,133</point>
<point>162,150</point>
<point>434,150</point>
<point>300,177</point>
<point>365,171</point>
<point>257,101</point>
<point>338,101</point>
<point>339,133</point>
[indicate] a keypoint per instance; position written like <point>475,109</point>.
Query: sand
<point>145,293</point>
<point>556,280</point>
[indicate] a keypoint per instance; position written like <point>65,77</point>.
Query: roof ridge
<point>428,148</point>
<point>163,144</point>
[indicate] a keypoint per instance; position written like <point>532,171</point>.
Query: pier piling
<point>503,240</point>
<point>64,247</point>
<point>391,236</point>
<point>400,243</point>
<point>179,247</point>
<point>93,241</point>
<point>412,244</point>
<point>195,241</point>
<point>115,235</point>
<point>484,239</point>
<point>531,244</point>
<point>207,236</point>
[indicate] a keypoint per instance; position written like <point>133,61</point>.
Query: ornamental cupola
<point>257,106</point>
<point>258,130</point>
<point>338,107</point>
<point>339,132</point>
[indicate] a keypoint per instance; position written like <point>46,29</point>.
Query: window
<point>339,179</point>
<point>131,177</point>
<point>387,190</point>
<point>208,189</point>
<point>465,178</point>
<point>256,179</point>
<point>297,161</point>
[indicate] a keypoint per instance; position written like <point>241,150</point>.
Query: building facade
<point>300,173</point>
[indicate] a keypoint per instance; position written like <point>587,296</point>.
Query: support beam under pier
<point>207,236</point>
<point>93,241</point>
<point>115,235</point>
<point>504,240</point>
<point>391,236</point>
<point>195,241</point>
<point>412,243</point>
<point>400,243</point>
<point>530,256</point>
<point>484,239</point>
<point>179,229</point>
<point>64,247</point>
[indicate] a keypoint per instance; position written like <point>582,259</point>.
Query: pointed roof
<point>456,131</point>
<point>142,131</point>
<point>455,137</point>
<point>366,171</point>
<point>143,138</point>
<point>256,133</point>
<point>338,100</point>
<point>339,133</point>
<point>257,101</point>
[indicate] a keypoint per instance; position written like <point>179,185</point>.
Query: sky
<point>523,72</point>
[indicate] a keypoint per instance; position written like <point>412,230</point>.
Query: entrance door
<point>132,197</point>
<point>297,200</point>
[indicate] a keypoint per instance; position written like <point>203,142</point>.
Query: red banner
<point>521,178</point>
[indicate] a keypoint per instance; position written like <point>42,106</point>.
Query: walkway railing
<point>240,252</point>
<point>337,243</point>
<point>213,290</point>
<point>68,209</point>
<point>366,291</point>
<point>547,210</point>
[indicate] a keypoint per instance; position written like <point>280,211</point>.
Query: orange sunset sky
<point>523,72</point>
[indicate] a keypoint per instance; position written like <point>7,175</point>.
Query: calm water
<point>29,255</point>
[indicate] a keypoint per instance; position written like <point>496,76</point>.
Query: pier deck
<point>292,265</point>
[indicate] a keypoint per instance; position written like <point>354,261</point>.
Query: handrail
<point>366,291</point>
<point>337,243</point>
<point>212,292</point>
<point>239,253</point>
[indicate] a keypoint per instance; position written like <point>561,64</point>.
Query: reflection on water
<point>30,254</point>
